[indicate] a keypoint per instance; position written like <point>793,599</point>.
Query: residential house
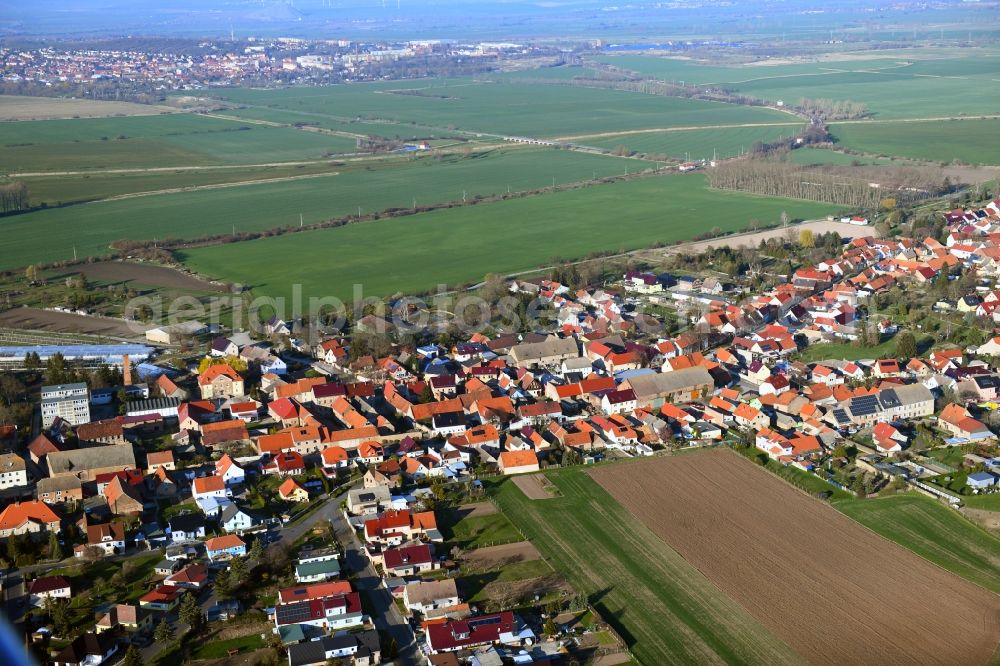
<point>48,587</point>
<point>109,537</point>
<point>518,462</point>
<point>367,501</point>
<point>13,471</point>
<point>89,649</point>
<point>362,648</point>
<point>225,548</point>
<point>157,459</point>
<point>86,464</point>
<point>220,381</point>
<point>27,518</point>
<point>425,596</point>
<point>60,489</point>
<point>468,633</point>
<point>290,491</point>
<point>234,519</point>
<point>125,616</point>
<point>186,527</point>
<point>317,566</point>
<point>407,560</point>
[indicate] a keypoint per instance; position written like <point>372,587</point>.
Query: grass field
<point>972,141</point>
<point>481,531</point>
<point>219,649</point>
<point>934,532</point>
<point>990,502</point>
<point>498,107</point>
<point>663,607</point>
<point>847,351</point>
<point>812,156</point>
<point>695,144</point>
<point>91,228</point>
<point>406,254</point>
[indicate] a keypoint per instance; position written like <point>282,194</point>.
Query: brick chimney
<point>126,370</point>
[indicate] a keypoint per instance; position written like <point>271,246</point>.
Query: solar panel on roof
<point>484,622</point>
<point>293,613</point>
<point>841,416</point>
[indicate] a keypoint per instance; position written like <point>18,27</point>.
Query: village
<point>337,507</point>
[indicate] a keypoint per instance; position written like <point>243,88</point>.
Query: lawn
<point>696,144</point>
<point>219,649</point>
<point>933,531</point>
<point>512,109</point>
<point>973,141</point>
<point>849,352</point>
<point>458,245</point>
<point>395,184</point>
<point>664,608</point>
<point>479,531</point>
<point>988,502</point>
<point>810,483</point>
<point>949,455</point>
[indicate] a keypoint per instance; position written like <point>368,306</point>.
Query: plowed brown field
<point>831,589</point>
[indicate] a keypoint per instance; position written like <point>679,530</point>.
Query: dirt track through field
<point>831,589</point>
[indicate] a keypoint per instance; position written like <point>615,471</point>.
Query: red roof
<point>478,630</point>
<point>395,558</point>
<point>317,591</point>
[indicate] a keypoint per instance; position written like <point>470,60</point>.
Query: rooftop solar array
<point>864,405</point>
<point>297,612</point>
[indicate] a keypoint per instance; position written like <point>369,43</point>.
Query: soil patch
<point>534,486</point>
<point>17,107</point>
<point>147,274</point>
<point>65,322</point>
<point>493,556</point>
<point>834,591</point>
<point>476,509</point>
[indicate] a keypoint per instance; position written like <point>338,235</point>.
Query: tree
<point>257,550</point>
<point>784,218</point>
<point>550,627</point>
<point>238,571</point>
<point>58,611</point>
<point>393,650</point>
<point>164,632</point>
<point>806,238</point>
<point>191,614</point>
<point>132,657</point>
<point>55,550</point>
<point>31,274</point>
<point>906,345</point>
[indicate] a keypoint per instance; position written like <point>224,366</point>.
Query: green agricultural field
<point>55,190</point>
<point>933,531</point>
<point>893,84</point>
<point>973,141</point>
<point>379,186</point>
<point>695,144</point>
<point>155,141</point>
<point>691,71</point>
<point>499,108</point>
<point>408,253</point>
<point>663,607</point>
<point>824,156</point>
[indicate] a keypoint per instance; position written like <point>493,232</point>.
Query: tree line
<point>14,197</point>
<point>855,187</point>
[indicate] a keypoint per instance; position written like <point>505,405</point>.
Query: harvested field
<point>484,558</point>
<point>534,486</point>
<point>17,107</point>
<point>65,322</point>
<point>832,590</point>
<point>144,274</point>
<point>752,240</point>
